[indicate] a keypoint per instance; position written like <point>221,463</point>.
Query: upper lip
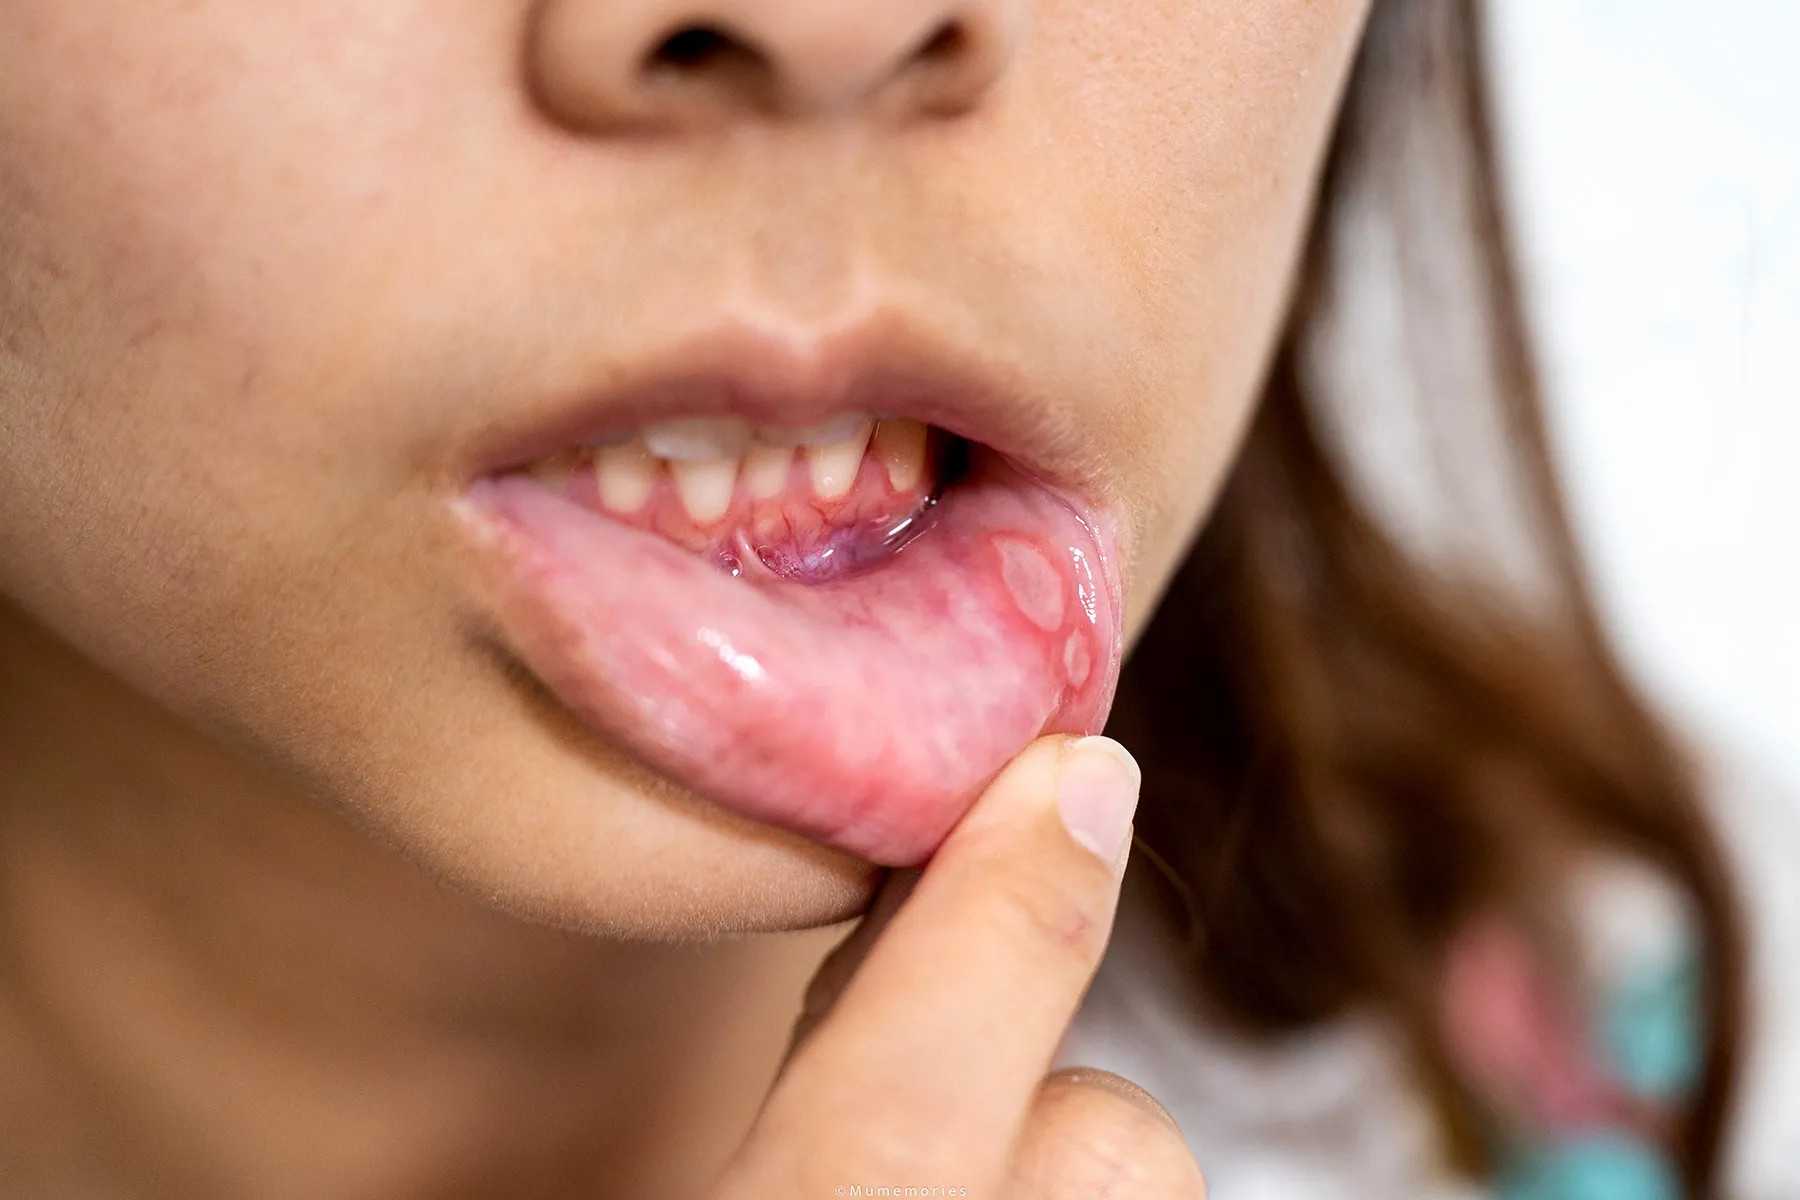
<point>887,367</point>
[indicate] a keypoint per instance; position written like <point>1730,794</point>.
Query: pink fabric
<point>1518,1035</point>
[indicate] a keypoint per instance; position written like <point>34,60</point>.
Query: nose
<point>661,64</point>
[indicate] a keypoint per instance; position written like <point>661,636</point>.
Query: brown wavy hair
<point>1368,710</point>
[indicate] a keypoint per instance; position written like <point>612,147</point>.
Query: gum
<point>866,711</point>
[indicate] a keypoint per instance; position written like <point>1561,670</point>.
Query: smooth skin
<point>273,277</point>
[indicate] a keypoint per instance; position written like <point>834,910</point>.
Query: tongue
<point>866,712</point>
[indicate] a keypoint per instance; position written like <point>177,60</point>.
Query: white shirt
<point>1331,1114</point>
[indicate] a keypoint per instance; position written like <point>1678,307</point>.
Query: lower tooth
<point>766,470</point>
<point>900,445</point>
<point>834,467</point>
<point>705,488</point>
<point>625,475</point>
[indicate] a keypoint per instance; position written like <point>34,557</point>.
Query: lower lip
<point>866,712</point>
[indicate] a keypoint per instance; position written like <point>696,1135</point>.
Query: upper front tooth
<point>698,439</point>
<point>834,467</point>
<point>705,488</point>
<point>826,433</point>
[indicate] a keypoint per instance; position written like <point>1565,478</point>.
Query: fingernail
<point>1096,795</point>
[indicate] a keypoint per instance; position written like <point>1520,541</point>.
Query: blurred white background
<point>1654,150</point>
<point>1654,153</point>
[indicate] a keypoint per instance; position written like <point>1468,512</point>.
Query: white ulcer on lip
<point>706,457</point>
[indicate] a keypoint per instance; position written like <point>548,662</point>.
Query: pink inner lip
<point>866,711</point>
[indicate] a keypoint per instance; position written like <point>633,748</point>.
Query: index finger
<point>934,1051</point>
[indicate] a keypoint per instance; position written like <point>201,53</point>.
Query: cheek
<point>163,440</point>
<point>96,392</point>
<point>1204,127</point>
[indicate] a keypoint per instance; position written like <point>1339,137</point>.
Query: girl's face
<point>289,292</point>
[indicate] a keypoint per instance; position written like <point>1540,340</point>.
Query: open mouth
<point>843,625</point>
<point>806,504</point>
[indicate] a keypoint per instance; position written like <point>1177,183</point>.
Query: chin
<point>600,845</point>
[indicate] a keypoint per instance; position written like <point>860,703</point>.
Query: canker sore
<point>865,709</point>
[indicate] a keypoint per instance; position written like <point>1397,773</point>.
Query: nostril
<point>945,44</point>
<point>695,48</point>
<point>953,64</point>
<point>706,58</point>
<point>679,65</point>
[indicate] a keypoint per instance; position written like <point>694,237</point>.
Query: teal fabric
<point>1650,1031</point>
<point>1647,1034</point>
<point>1605,1166</point>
